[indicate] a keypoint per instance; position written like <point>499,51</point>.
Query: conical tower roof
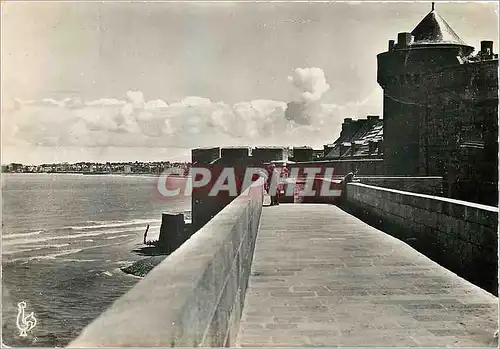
<point>433,29</point>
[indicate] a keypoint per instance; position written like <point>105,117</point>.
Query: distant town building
<point>271,153</point>
<point>97,168</point>
<point>205,155</point>
<point>302,154</point>
<point>359,139</point>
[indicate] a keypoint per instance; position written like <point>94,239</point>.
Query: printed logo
<point>25,323</point>
<point>224,182</point>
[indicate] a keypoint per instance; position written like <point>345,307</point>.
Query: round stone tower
<point>404,72</point>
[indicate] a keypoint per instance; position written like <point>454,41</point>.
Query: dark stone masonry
<point>441,110</point>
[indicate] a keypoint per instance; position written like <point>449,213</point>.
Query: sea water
<point>64,240</point>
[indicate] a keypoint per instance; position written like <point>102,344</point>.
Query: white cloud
<point>191,122</point>
<point>310,83</point>
<point>52,102</point>
<point>156,104</point>
<point>310,86</point>
<point>105,102</point>
<point>136,98</point>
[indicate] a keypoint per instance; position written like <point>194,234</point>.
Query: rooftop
<point>270,147</point>
<point>433,29</point>
<point>361,133</point>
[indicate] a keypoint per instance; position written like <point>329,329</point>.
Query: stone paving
<point>321,277</point>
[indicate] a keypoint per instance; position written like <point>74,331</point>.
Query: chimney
<point>327,148</point>
<point>487,47</point>
<point>355,146</point>
<point>404,39</point>
<point>372,146</point>
<point>346,124</point>
<point>391,45</point>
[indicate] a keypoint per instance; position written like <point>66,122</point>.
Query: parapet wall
<point>195,296</point>
<point>459,235</point>
<point>343,167</point>
<point>422,185</point>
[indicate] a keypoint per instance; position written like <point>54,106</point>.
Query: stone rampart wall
<point>461,236</point>
<point>423,185</point>
<point>196,295</point>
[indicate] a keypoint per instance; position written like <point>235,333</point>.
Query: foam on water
<point>53,256</point>
<point>20,235</point>
<point>77,260</point>
<point>16,242</point>
<point>94,225</point>
<point>114,224</point>
<point>119,236</point>
<point>6,253</point>
<point>34,248</point>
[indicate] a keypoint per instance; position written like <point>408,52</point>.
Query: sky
<point>117,81</point>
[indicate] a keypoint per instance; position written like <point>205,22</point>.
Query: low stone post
<point>172,234</point>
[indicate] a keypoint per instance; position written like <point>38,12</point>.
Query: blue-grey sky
<point>229,54</point>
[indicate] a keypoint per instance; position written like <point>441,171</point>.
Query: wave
<point>19,235</point>
<point>113,224</point>
<point>22,251</point>
<point>123,262</point>
<point>77,260</point>
<point>94,225</point>
<point>119,236</point>
<point>54,256</point>
<point>16,242</point>
<point>34,248</point>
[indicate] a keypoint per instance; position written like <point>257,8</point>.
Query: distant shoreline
<point>133,175</point>
<point>86,174</point>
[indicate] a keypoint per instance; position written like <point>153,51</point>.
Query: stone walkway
<point>322,277</point>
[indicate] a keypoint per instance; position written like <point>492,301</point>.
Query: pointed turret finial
<point>433,3</point>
